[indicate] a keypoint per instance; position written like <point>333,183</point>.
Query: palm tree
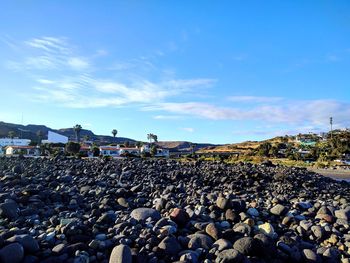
<point>77,129</point>
<point>151,137</point>
<point>155,138</point>
<point>192,147</point>
<point>40,135</point>
<point>114,133</point>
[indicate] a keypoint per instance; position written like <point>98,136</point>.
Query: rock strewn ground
<point>69,210</point>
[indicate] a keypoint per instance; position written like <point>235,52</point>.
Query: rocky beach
<point>135,210</point>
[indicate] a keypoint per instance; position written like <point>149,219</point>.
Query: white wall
<point>9,141</point>
<point>53,137</point>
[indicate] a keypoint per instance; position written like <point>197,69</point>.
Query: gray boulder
<point>121,254</point>
<point>12,253</point>
<point>144,213</point>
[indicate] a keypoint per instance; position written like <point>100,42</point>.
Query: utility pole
<point>331,123</point>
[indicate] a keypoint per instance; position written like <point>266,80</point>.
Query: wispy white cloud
<point>88,92</point>
<point>78,63</point>
<point>49,44</point>
<point>72,82</point>
<point>316,112</point>
<point>167,117</point>
<point>254,99</point>
<point>49,53</point>
<point>65,77</point>
<point>187,129</point>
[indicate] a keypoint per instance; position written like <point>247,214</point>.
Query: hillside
<point>242,147</point>
<point>29,132</point>
<point>184,145</point>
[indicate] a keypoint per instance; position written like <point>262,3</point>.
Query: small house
<point>110,151</point>
<point>161,152</point>
<point>85,150</point>
<point>23,150</point>
<point>132,151</point>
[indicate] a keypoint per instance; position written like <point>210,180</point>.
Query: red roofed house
<point>109,151</point>
<point>25,150</point>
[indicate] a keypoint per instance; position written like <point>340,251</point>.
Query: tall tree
<point>40,135</point>
<point>77,129</point>
<point>149,137</point>
<point>192,147</point>
<point>155,138</point>
<point>72,147</point>
<point>114,133</point>
<point>152,137</point>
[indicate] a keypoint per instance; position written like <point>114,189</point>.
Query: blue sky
<point>203,71</point>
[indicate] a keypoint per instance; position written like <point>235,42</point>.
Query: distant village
<point>57,143</point>
<point>322,148</point>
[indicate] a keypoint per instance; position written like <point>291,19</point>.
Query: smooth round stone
<point>121,254</point>
<point>229,255</point>
<point>310,256</point>
<point>343,214</point>
<point>222,244</point>
<point>122,202</point>
<point>144,213</point>
<point>101,237</point>
<point>50,236</point>
<point>223,203</point>
<point>267,229</point>
<point>253,212</point>
<point>213,231</point>
<point>189,256</point>
<point>170,245</point>
<point>199,241</point>
<point>12,253</point>
<point>179,216</point>
<point>94,244</point>
<point>225,224</point>
<point>59,249</point>
<point>278,210</point>
<point>317,231</point>
<point>245,245</point>
<point>29,244</point>
<point>17,169</point>
<point>9,210</point>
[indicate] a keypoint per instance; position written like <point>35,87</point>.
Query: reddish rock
<point>325,217</point>
<point>180,216</point>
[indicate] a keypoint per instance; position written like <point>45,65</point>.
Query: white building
<point>160,152</point>
<point>25,150</point>
<point>133,151</point>
<point>110,151</point>
<point>15,141</point>
<point>53,137</point>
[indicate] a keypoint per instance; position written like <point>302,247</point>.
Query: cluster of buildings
<point>11,146</point>
<point>117,151</point>
<point>15,146</point>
